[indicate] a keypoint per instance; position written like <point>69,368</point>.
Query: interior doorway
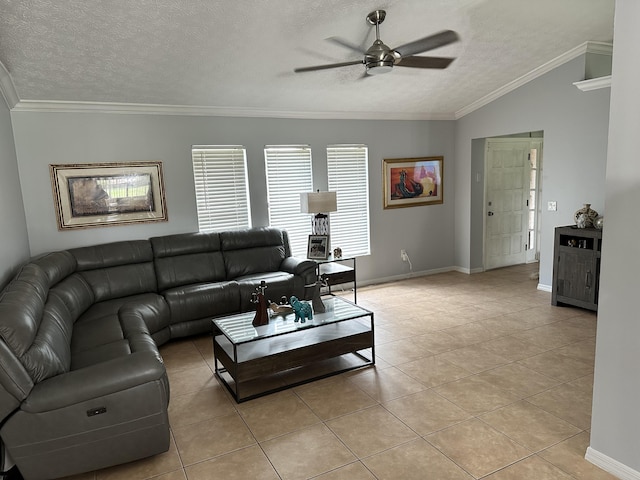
<point>512,167</point>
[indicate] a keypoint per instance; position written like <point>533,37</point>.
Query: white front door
<point>506,194</point>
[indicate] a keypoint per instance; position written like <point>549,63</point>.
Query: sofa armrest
<point>299,266</point>
<point>95,381</point>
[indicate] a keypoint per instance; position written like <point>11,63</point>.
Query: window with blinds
<point>288,169</point>
<point>222,191</point>
<point>348,175</point>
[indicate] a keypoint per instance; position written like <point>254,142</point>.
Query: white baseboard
<point>610,465</point>
<point>545,288</point>
<point>405,276</point>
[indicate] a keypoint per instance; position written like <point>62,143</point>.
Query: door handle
<point>490,214</point>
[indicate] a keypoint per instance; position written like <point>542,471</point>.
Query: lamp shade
<point>318,202</point>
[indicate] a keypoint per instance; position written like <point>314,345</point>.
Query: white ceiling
<point>239,55</point>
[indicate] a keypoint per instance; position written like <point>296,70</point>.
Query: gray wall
<point>616,395</point>
<point>14,242</point>
<point>575,126</point>
<point>45,138</point>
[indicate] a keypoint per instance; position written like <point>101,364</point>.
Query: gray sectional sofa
<point>82,383</point>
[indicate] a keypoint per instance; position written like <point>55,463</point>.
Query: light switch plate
<point>552,206</point>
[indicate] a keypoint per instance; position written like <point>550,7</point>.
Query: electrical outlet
<point>404,256</point>
<point>552,206</point>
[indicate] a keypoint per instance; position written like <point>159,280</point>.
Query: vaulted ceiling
<point>238,56</point>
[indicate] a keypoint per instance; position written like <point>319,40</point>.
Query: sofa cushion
<point>119,269</point>
<point>279,284</point>
<point>36,328</point>
<point>57,265</point>
<point>202,300</point>
<point>188,258</point>
<point>100,324</point>
<point>252,251</point>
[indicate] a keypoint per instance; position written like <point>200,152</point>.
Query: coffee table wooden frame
<point>255,361</point>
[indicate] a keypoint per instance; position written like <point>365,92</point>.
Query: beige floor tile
<point>248,463</point>
<point>144,468</point>
<point>370,431</point>
<point>475,395</point>
<point>425,412</point>
<point>192,379</point>
<point>400,351</point>
<point>437,342</point>
<point>181,355</point>
<point>568,401</point>
<point>557,365</point>
<point>433,371</point>
<point>334,397</point>
<point>353,471</point>
<point>176,475</point>
<point>385,384</point>
<point>471,333</point>
<point>388,334</point>
<point>474,358</point>
<point>584,350</point>
<point>504,324</point>
<point>277,415</point>
<point>307,453</point>
<point>554,335</point>
<point>416,460</point>
<point>199,406</point>
<point>511,348</point>
<point>569,457</point>
<point>477,448</point>
<point>210,438</point>
<point>531,468</point>
<point>529,425</point>
<point>518,379</point>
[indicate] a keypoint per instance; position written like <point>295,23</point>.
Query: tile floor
<point>477,377</point>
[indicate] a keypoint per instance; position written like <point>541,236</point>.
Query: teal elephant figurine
<point>301,309</point>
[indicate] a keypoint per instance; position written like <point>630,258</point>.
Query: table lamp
<point>320,203</point>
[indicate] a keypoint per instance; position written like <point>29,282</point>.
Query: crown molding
<point>586,47</point>
<point>7,88</point>
<point>594,83</point>
<point>53,106</point>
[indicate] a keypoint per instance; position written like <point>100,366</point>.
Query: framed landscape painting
<point>409,182</point>
<point>105,194</point>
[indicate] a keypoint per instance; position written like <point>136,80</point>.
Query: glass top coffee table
<point>254,361</point>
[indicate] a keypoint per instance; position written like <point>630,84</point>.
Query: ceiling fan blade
<point>347,44</point>
<point>428,43</point>
<point>424,62</point>
<point>330,65</point>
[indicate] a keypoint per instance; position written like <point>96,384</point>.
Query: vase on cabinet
<point>585,217</point>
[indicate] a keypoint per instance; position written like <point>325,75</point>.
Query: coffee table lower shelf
<point>272,364</point>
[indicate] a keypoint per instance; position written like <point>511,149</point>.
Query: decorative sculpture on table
<point>301,309</point>
<point>316,299</point>
<point>257,297</point>
<point>280,309</point>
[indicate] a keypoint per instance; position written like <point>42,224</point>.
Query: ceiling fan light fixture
<point>377,68</point>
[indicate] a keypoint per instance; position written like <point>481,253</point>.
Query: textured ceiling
<point>241,54</point>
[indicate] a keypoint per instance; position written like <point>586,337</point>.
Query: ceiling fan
<point>379,58</point>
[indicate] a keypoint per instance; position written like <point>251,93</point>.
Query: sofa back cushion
<point>35,325</point>
<point>117,269</point>
<point>187,258</point>
<point>253,250</point>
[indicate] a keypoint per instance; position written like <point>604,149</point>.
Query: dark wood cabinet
<point>576,267</point>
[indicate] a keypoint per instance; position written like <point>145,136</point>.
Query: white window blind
<point>222,193</point>
<point>348,175</point>
<point>288,169</point>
